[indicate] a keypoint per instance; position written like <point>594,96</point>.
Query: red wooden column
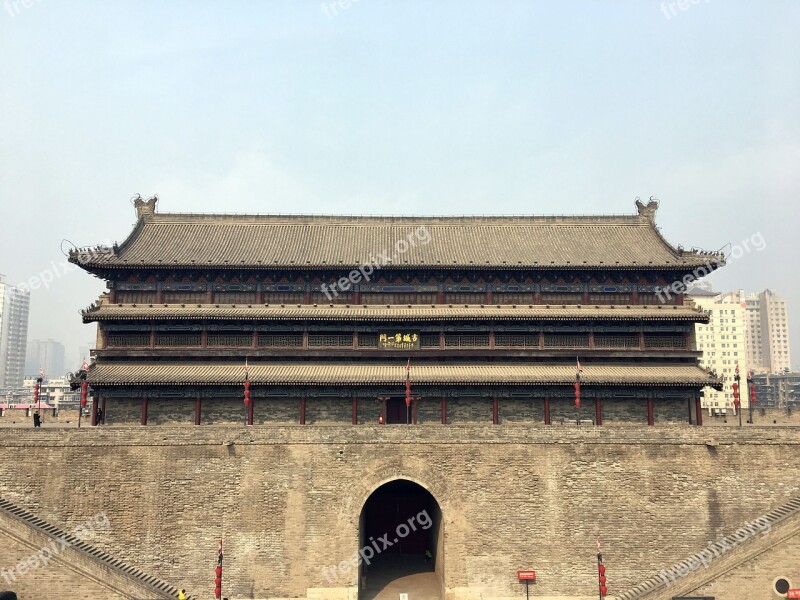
<point>698,409</point>
<point>302,410</point>
<point>94,408</point>
<point>145,400</point>
<point>414,401</point>
<point>103,420</point>
<point>650,418</point>
<point>250,410</point>
<point>444,410</point>
<point>547,410</point>
<point>598,411</point>
<point>355,409</point>
<point>689,404</point>
<point>495,411</point>
<point>198,407</point>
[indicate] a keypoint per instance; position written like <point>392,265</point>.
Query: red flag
<point>246,384</point>
<point>218,573</point>
<point>408,383</point>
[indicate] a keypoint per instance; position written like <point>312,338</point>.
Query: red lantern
<point>247,391</point>
<point>577,394</point>
<point>602,569</point>
<point>84,393</point>
<point>36,394</point>
<point>218,571</point>
<point>218,582</point>
<point>603,590</point>
<point>408,393</point>
<point>603,579</point>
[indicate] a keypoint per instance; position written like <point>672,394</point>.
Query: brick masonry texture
<point>287,499</point>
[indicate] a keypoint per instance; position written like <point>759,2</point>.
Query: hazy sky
<point>402,107</point>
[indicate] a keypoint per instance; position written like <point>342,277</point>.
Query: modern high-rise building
<point>767,325</point>
<point>722,342</point>
<point>14,305</point>
<point>47,355</point>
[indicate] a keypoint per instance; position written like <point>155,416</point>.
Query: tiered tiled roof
<point>163,240</point>
<point>405,313</point>
<point>157,373</point>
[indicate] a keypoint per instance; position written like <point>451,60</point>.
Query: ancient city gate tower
<point>395,321</point>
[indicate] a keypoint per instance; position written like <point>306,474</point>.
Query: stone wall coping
<point>240,435</point>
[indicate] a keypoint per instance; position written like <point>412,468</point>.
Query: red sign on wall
<point>793,593</point>
<point>531,576</point>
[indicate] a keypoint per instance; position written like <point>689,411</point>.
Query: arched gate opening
<point>402,543</point>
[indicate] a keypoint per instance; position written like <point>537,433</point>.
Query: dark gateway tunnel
<point>401,522</point>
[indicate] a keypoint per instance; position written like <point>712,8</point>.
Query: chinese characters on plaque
<point>398,341</point>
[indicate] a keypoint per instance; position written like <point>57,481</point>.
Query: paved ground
<point>393,574</point>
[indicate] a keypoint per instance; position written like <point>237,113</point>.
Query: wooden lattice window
<point>230,339</point>
<point>562,298</point>
<point>429,340</point>
<point>280,340</point>
<point>330,340</point>
<point>177,339</point>
<point>123,340</point>
<point>136,297</point>
<point>615,299</point>
<point>235,297</point>
<point>464,298</point>
<point>616,341</point>
<point>566,341</point>
<point>397,298</point>
<point>665,341</point>
<point>368,340</point>
<point>651,299</point>
<point>512,298</point>
<point>322,298</point>
<point>184,297</point>
<point>284,297</point>
<point>504,340</point>
<point>466,341</point>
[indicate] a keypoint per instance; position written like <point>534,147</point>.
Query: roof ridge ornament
<point>144,209</point>
<point>649,210</point>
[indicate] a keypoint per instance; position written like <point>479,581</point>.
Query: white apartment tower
<point>767,320</point>
<point>722,342</point>
<point>14,304</point>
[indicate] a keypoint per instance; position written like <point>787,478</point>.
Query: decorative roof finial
<point>144,208</point>
<point>648,210</point>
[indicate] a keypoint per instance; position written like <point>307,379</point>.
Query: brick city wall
<point>766,416</point>
<point>338,411</point>
<point>19,416</point>
<point>287,499</point>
